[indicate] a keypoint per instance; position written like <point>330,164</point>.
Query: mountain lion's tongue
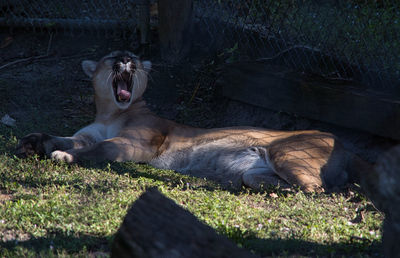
<point>122,91</point>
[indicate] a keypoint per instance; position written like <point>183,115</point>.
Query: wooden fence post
<point>143,17</point>
<point>175,28</point>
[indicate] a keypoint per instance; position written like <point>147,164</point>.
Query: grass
<point>47,208</point>
<point>52,209</point>
<point>49,203</point>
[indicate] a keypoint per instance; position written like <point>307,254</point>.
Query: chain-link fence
<point>350,40</point>
<point>339,40</point>
<point>96,16</point>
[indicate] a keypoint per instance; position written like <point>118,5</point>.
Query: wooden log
<point>175,28</point>
<point>156,226</point>
<point>382,186</point>
<point>339,102</point>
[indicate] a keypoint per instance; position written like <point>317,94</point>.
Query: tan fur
<point>235,156</point>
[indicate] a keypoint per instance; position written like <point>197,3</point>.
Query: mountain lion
<point>126,130</point>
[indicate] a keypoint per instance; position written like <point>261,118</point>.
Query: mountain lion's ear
<point>146,66</point>
<point>89,67</point>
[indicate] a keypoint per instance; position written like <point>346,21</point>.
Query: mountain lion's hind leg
<point>260,174</point>
<point>305,160</point>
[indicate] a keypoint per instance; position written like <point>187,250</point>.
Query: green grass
<point>50,208</point>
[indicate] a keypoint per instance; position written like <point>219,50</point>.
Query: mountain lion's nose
<point>126,59</point>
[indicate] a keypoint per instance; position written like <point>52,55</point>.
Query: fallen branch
<point>32,58</point>
<point>287,50</point>
<point>28,59</point>
<point>75,56</point>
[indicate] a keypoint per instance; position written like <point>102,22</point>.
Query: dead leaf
<point>273,195</point>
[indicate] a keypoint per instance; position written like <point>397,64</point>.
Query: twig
<point>194,93</point>
<point>49,44</point>
<point>23,60</point>
<point>75,56</point>
<point>287,50</point>
<point>32,57</point>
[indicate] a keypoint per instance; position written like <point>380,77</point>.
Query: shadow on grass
<point>298,247</point>
<point>169,177</point>
<point>57,243</point>
<point>38,179</point>
<point>301,247</point>
<point>84,244</point>
<point>295,247</point>
<point>176,179</point>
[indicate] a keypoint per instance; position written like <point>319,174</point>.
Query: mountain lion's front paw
<point>32,144</point>
<point>62,156</point>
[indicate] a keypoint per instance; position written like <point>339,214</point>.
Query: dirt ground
<point>186,93</point>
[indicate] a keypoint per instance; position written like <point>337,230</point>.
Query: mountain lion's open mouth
<point>122,85</point>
